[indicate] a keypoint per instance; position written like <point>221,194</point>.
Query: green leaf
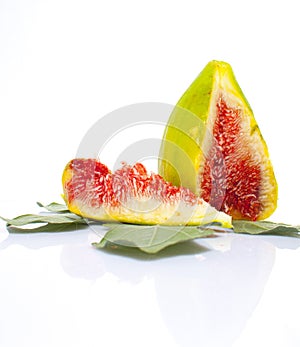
<point>47,228</point>
<point>55,207</point>
<point>59,219</point>
<point>265,227</point>
<point>150,238</point>
<point>49,218</point>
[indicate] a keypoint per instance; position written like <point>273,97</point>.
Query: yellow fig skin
<point>188,135</point>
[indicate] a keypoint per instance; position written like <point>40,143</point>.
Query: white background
<point>64,64</point>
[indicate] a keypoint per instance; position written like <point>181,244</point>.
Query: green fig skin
<point>188,134</point>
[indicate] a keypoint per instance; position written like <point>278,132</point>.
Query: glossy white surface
<point>232,290</point>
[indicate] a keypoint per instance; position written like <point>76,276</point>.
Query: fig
<point>226,160</point>
<point>132,195</point>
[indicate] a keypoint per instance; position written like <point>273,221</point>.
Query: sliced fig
<point>231,165</point>
<point>131,195</point>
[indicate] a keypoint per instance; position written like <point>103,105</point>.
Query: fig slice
<point>131,195</point>
<point>223,145</point>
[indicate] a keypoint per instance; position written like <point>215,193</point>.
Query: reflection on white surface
<point>209,295</point>
<point>59,289</point>
<point>220,293</point>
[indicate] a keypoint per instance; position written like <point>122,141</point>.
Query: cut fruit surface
<point>220,137</point>
<point>131,195</point>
